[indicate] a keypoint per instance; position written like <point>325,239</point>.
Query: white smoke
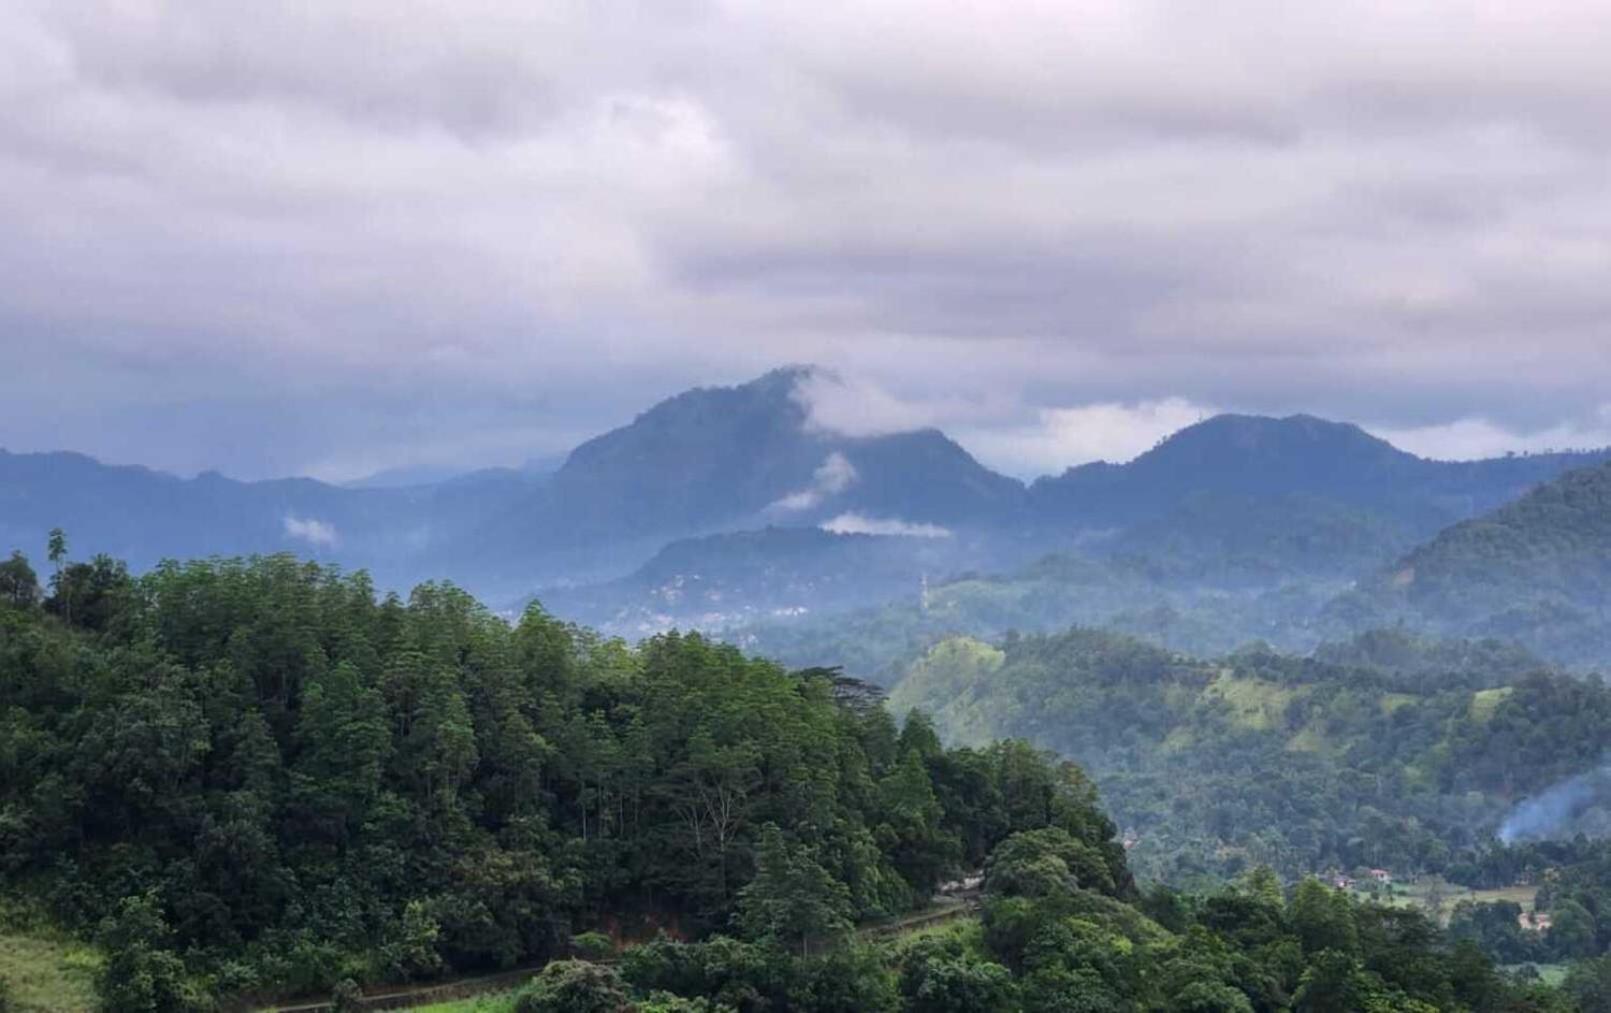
<point>314,532</point>
<point>833,476</point>
<point>858,524</point>
<point>1549,813</point>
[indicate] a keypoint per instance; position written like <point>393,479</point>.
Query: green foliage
<point>257,777</point>
<point>346,997</point>
<point>1386,751</point>
<point>282,781</point>
<point>573,986</point>
<point>19,585</point>
<point>1537,571</point>
<point>792,897</point>
<point>592,946</point>
<point>944,976</point>
<point>1588,983</point>
<point>141,972</point>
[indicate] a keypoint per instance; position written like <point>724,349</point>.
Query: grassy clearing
<point>1254,703</point>
<point>1310,740</point>
<point>1393,701</point>
<point>1485,701</point>
<point>497,1002</point>
<point>47,974</point>
<point>1549,974</point>
<point>1420,895</point>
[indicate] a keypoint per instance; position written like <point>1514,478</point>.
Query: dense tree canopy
<point>1384,751</point>
<point>258,775</point>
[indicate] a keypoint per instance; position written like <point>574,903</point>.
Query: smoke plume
<point>1550,813</point>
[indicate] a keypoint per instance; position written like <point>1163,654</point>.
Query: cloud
<point>514,223</point>
<point>858,524</point>
<point>1060,438</point>
<point>833,476</point>
<point>1473,438</point>
<point>314,532</point>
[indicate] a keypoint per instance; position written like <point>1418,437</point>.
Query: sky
<point>330,238</point>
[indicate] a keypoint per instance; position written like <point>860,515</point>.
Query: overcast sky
<point>331,237</point>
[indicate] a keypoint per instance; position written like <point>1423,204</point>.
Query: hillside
<point>720,581</point>
<point>234,782</point>
<point>1537,570</point>
<point>255,777</point>
<point>1389,751</point>
<point>1137,595</point>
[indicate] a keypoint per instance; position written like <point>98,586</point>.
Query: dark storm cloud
<point>349,235</point>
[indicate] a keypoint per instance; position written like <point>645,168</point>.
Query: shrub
<point>573,986</point>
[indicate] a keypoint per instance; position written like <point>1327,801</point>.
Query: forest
<point>248,779</point>
<point>1386,750</point>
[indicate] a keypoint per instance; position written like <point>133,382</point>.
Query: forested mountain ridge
<point>1537,570</point>
<point>143,516</point>
<point>719,455</point>
<point>1257,458</point>
<point>1235,503</point>
<point>738,458</point>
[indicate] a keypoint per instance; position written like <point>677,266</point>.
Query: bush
<point>592,946</point>
<point>346,997</point>
<point>141,973</point>
<point>573,986</point>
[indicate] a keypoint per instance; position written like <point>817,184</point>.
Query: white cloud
<point>833,476</point>
<point>1095,203</point>
<point>1473,438</point>
<point>858,524</point>
<point>314,532</point>
<point>1060,438</point>
<point>856,406</point>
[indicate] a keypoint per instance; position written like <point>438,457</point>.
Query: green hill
<point>1537,571</point>
<point>1388,751</point>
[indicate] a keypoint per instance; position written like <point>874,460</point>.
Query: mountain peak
<point>717,455</point>
<point>1264,436</point>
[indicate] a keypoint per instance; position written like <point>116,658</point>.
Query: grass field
<point>497,1002</point>
<point>48,975</point>
<point>1418,895</point>
<point>1550,974</point>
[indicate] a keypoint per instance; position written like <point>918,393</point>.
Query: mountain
<point>713,456</point>
<point>1235,504</point>
<point>1537,570</point>
<point>1230,454</point>
<point>1240,499</point>
<point>1299,456</point>
<point>425,474</point>
<point>716,459</point>
<point>143,516</point>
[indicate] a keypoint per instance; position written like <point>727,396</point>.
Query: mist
<point>1551,813</point>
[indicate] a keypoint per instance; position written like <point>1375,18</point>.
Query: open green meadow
<point>48,975</point>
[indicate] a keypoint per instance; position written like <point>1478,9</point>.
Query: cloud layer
<point>329,238</point>
<point>860,524</point>
<point>315,532</point>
